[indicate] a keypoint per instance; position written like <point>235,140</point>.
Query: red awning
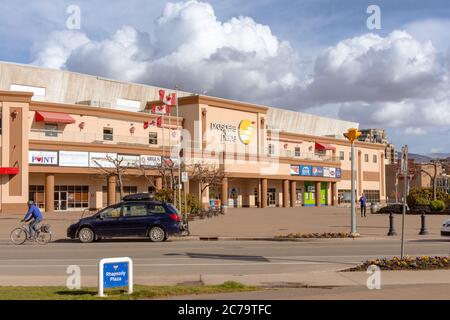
<point>58,117</point>
<point>9,170</point>
<point>324,146</point>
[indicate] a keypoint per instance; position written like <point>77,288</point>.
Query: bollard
<point>391,225</point>
<point>423,228</point>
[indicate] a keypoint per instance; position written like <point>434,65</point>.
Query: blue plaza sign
<point>317,171</point>
<point>115,272</point>
<point>115,275</point>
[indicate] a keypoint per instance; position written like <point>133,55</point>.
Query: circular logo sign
<point>246,131</point>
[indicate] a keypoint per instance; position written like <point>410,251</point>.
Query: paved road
<point>171,261</point>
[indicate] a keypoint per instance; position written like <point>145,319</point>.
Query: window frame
<point>108,136</point>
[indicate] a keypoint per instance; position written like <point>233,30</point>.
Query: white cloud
<point>415,131</point>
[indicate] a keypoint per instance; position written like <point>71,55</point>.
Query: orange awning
<point>58,117</point>
<point>324,146</point>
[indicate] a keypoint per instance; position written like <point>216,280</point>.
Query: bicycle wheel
<point>18,236</point>
<point>43,237</point>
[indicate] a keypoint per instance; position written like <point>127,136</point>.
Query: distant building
<point>379,136</point>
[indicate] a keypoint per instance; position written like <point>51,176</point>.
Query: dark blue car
<point>130,218</point>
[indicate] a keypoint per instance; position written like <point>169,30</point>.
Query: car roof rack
<point>139,197</point>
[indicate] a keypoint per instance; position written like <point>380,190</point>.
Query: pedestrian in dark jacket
<point>363,202</point>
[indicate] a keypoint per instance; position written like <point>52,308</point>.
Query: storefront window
<point>37,194</point>
<point>297,151</point>
<point>126,191</point>
<point>153,138</point>
<point>51,129</point>
<point>108,134</point>
<point>71,197</point>
<point>372,196</point>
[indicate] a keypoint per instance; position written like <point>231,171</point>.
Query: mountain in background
<point>425,158</point>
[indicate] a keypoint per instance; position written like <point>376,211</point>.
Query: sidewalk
<point>263,224</point>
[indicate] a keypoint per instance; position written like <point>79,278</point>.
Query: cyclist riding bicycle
<point>33,214</point>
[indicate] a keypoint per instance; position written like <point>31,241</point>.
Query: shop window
<point>76,197</point>
<point>37,194</point>
<point>51,129</point>
<point>297,151</point>
<point>344,196</point>
<point>108,134</point>
<point>372,196</point>
<point>126,191</point>
<point>342,155</point>
<point>375,160</point>
<point>153,138</point>
<point>366,157</point>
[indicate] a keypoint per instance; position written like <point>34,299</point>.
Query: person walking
<point>363,202</point>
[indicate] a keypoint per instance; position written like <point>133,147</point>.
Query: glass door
<point>271,201</point>
<point>60,200</point>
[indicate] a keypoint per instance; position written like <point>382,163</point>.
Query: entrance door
<point>60,200</point>
<point>299,197</point>
<point>271,201</point>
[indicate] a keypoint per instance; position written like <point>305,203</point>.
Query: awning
<point>9,170</point>
<point>58,117</point>
<point>324,146</point>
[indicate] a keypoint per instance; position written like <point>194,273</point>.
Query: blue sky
<point>310,55</point>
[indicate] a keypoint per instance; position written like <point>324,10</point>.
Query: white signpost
<point>115,272</point>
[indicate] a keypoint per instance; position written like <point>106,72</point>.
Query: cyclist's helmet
<point>30,203</point>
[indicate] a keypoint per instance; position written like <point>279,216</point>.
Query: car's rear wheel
<point>86,235</point>
<point>157,234</point>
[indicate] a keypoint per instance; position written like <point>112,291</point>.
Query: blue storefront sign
<point>338,172</point>
<point>305,170</point>
<point>115,275</point>
<point>317,171</point>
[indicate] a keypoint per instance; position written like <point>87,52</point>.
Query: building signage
<point>305,170</point>
<point>229,131</point>
<point>73,159</point>
<point>317,171</point>
<point>150,161</point>
<point>338,172</point>
<point>170,162</point>
<point>43,157</point>
<point>97,159</point>
<point>129,160</point>
<point>295,170</point>
<point>115,272</point>
<point>332,172</point>
<point>246,131</point>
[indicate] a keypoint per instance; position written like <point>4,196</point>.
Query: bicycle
<point>42,235</point>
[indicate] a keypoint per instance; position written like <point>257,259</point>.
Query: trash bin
<point>374,207</point>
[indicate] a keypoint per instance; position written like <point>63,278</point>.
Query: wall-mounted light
<point>132,130</point>
<point>81,125</point>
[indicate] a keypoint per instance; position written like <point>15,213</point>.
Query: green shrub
<point>422,201</point>
<point>437,205</point>
<point>193,203</point>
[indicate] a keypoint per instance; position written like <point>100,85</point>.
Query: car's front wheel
<point>157,234</point>
<point>86,235</point>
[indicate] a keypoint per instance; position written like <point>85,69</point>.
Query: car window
<point>134,210</point>
<point>156,209</point>
<point>112,212</point>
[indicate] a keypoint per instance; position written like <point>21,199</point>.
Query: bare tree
<point>117,170</point>
<point>208,175</point>
<point>150,179</point>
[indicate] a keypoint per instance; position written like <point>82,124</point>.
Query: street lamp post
<point>352,134</point>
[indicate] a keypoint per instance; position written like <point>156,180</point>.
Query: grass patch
<point>407,263</point>
<point>140,292</point>
<point>324,235</point>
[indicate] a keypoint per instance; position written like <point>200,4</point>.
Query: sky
<point>315,56</point>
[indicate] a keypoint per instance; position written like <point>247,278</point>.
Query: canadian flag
<point>159,122</point>
<point>164,109</point>
<point>169,99</point>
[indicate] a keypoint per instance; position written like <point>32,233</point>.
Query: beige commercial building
<point>59,129</point>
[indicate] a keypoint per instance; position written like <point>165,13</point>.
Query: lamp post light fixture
<point>352,134</point>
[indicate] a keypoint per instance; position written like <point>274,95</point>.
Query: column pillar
<point>224,195</point>
<point>158,183</point>
<point>49,193</point>
<point>293,193</point>
<point>334,193</point>
<point>317,194</point>
<point>263,196</point>
<point>111,190</point>
<point>285,193</point>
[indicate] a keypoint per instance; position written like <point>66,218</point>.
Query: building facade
<point>60,129</point>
